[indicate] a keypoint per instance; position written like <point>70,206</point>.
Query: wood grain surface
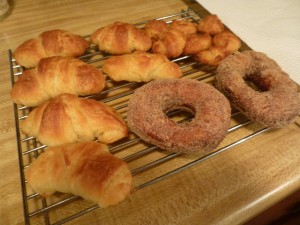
<point>229,188</point>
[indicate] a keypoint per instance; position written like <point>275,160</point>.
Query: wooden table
<point>229,188</point>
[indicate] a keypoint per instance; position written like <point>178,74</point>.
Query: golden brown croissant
<point>141,67</point>
<point>54,76</point>
<point>196,43</point>
<point>185,26</point>
<point>68,119</point>
<point>212,56</point>
<point>85,169</point>
<point>171,45</point>
<point>228,41</point>
<point>50,43</point>
<point>121,38</point>
<point>211,24</point>
<point>156,29</point>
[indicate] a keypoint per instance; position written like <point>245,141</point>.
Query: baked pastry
<point>185,26</point>
<point>85,169</point>
<point>149,104</point>
<point>228,41</point>
<point>212,56</point>
<point>171,45</point>
<point>54,76</point>
<point>121,38</point>
<point>156,29</point>
<point>223,44</point>
<point>196,43</point>
<point>68,119</point>
<point>141,67</point>
<point>211,24</point>
<point>50,43</point>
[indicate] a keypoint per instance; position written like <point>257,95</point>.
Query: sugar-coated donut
<point>147,117</point>
<point>271,99</point>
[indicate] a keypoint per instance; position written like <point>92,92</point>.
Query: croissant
<point>211,24</point>
<point>85,169</point>
<point>141,67</point>
<point>68,119</point>
<point>54,76</point>
<point>50,43</point>
<point>171,45</point>
<point>121,38</point>
<point>185,26</point>
<point>212,56</point>
<point>156,29</point>
<point>196,43</point>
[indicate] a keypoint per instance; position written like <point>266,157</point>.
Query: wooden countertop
<point>229,188</point>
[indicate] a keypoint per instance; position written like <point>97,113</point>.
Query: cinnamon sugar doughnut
<point>273,101</point>
<point>148,107</point>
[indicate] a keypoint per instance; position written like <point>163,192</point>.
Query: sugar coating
<point>277,101</point>
<point>146,115</point>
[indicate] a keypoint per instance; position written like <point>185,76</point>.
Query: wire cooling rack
<point>148,163</point>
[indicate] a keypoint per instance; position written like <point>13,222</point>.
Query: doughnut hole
<point>256,84</point>
<point>181,113</point>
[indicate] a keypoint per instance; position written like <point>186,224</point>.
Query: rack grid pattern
<point>148,163</point>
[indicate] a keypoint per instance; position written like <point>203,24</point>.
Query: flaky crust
<point>68,119</point>
<point>85,169</point>
<point>156,29</point>
<point>185,26</point>
<point>121,38</point>
<point>141,67</point>
<point>54,76</point>
<point>50,43</point>
<point>212,56</point>
<point>228,41</point>
<point>211,24</point>
<point>171,45</point>
<point>197,43</point>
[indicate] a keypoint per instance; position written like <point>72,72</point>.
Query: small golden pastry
<point>67,119</point>
<point>196,43</point>
<point>56,75</point>
<point>185,26</point>
<point>211,24</point>
<point>50,43</point>
<point>85,169</point>
<point>141,67</point>
<point>213,56</point>
<point>228,41</point>
<point>171,45</point>
<point>121,38</point>
<point>156,29</point>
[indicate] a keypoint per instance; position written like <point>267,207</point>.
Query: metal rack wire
<point>140,156</point>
